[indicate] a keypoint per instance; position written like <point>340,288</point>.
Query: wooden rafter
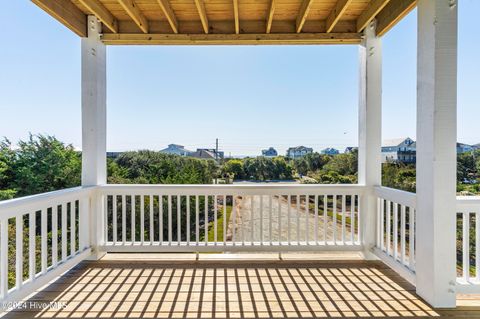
<point>373,8</point>
<point>167,10</point>
<point>137,16</point>
<point>302,15</point>
<point>337,13</point>
<point>270,14</point>
<point>237,18</point>
<point>231,39</point>
<point>202,13</point>
<point>66,13</point>
<point>392,14</point>
<point>101,13</point>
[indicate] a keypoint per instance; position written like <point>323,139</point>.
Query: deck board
<point>248,289</point>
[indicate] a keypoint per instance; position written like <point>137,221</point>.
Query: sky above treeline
<point>250,97</point>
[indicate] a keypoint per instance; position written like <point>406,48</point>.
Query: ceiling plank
<point>101,13</point>
<point>66,13</point>
<point>336,14</point>
<point>135,13</point>
<point>237,19</point>
<point>271,11</point>
<point>203,14</point>
<point>373,8</point>
<point>392,14</point>
<point>167,10</point>
<point>231,39</point>
<point>302,15</point>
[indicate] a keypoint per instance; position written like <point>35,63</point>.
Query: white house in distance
<point>270,152</point>
<point>299,151</point>
<point>399,150</point>
<point>176,149</point>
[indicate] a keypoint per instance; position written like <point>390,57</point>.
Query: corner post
<point>94,124</point>
<point>369,131</point>
<point>436,151</point>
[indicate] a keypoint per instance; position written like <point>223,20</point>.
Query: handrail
<point>396,195</point>
<point>8,208</point>
<point>239,189</point>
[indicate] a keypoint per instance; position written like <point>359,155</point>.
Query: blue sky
<point>249,97</point>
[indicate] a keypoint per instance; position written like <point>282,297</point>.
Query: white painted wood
<point>31,286</point>
<point>73,229</point>
<point>3,258</point>
<point>179,220</point>
<point>402,234</point>
<point>94,106</point>
<point>31,246</point>
<point>43,239</point>
<point>215,218</point>
<point>334,227</point>
<point>189,216</point>
<point>316,219</point>
<point>19,251</point>
<point>370,129</point>
<point>206,219</point>
<point>124,219</point>
<point>197,219</point>
<point>344,228</point>
<point>133,216</point>
<point>114,216</point>
<point>466,245</point>
<point>55,212</point>
<point>436,151</point>
<point>142,217</point>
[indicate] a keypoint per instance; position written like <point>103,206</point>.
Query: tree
<point>234,167</point>
<point>42,164</point>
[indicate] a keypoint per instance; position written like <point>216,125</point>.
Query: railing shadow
<point>284,289</point>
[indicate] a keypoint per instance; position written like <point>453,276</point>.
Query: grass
<point>220,218</point>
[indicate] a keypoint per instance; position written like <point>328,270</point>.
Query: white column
<point>94,127</point>
<point>436,151</point>
<point>370,129</point>
<point>94,107</point>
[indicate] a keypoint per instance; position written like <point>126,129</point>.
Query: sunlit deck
<point>219,288</point>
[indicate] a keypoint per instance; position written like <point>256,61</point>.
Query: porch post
<point>94,117</point>
<point>436,151</point>
<point>370,131</point>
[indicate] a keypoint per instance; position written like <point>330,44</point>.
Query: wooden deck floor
<point>212,289</point>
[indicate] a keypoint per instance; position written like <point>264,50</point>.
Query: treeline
<point>43,163</point>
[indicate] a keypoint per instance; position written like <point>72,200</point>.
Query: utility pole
<point>216,150</point>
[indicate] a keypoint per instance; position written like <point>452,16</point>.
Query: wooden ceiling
<point>229,21</point>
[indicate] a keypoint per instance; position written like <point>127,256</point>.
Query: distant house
<point>176,149</point>
<point>208,153</point>
<point>298,151</point>
<point>350,149</point>
<point>270,152</point>
<point>464,148</point>
<point>113,155</point>
<point>330,151</point>
<point>476,146</point>
<point>399,150</point>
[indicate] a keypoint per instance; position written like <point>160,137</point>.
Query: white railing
<point>396,230</point>
<point>41,236</point>
<point>468,244</point>
<point>199,218</point>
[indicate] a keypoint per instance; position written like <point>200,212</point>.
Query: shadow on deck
<point>232,289</point>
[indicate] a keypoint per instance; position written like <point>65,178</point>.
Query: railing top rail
<point>468,204</point>
<point>396,195</point>
<point>237,189</point>
<point>44,199</point>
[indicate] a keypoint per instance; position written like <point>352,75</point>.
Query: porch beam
<point>369,131</point>
<point>373,8</point>
<point>137,16</point>
<point>436,152</point>
<point>236,16</point>
<point>94,110</point>
<point>392,14</point>
<point>94,127</point>
<point>302,15</point>
<point>203,14</point>
<point>66,13</point>
<point>101,13</point>
<point>336,14</point>
<point>271,12</point>
<point>231,39</point>
<point>168,12</point>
